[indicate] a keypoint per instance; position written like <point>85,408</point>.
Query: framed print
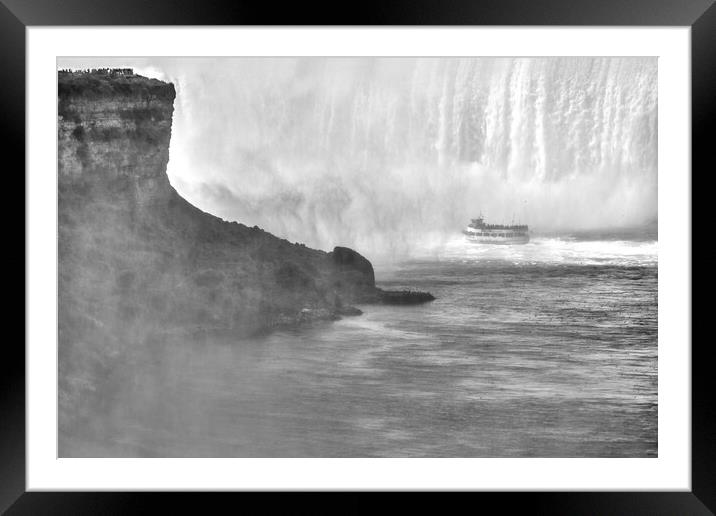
<point>438,249</point>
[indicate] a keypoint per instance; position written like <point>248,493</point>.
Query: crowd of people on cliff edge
<point>102,71</point>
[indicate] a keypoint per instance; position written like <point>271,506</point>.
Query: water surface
<point>543,350</point>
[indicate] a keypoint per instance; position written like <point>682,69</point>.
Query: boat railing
<point>498,227</point>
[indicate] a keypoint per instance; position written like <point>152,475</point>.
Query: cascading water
<point>389,155</point>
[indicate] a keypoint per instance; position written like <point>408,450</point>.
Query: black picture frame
<point>700,15</point>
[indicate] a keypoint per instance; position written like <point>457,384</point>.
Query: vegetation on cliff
<point>111,82</point>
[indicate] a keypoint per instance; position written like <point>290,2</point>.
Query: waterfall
<point>383,154</point>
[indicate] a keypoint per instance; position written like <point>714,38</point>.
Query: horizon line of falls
<point>390,155</point>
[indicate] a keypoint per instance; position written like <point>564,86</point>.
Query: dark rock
<point>349,261</point>
<point>291,276</point>
<point>349,311</point>
<point>404,297</point>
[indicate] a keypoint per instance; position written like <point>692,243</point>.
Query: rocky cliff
<point>137,262</point>
<point>113,131</point>
<point>135,256</point>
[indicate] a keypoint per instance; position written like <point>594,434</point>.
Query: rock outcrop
<point>134,254</point>
<point>113,134</point>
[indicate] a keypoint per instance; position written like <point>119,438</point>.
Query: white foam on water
<point>549,251</point>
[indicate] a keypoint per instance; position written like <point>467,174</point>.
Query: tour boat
<point>479,232</point>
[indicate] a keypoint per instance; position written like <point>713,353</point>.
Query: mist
<point>390,155</point>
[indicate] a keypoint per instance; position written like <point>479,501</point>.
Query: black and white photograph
<point>357,257</point>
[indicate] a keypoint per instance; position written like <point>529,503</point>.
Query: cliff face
<point>134,252</point>
<point>138,262</point>
<point>114,130</point>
